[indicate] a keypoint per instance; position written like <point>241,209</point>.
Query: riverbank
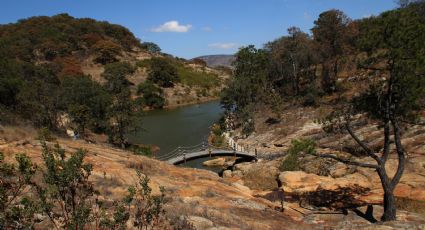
<point>197,101</point>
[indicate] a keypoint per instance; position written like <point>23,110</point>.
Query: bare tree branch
<point>386,152</point>
<point>345,161</point>
<point>400,152</point>
<point>363,145</point>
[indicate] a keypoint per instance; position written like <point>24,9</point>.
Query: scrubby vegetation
<point>48,38</point>
<point>152,95</point>
<point>170,70</point>
<point>291,162</point>
<point>41,79</point>
<point>216,139</point>
<point>66,198</point>
<point>162,72</point>
<point>372,66</point>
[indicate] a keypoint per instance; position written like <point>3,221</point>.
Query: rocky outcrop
<point>300,182</point>
<point>220,162</point>
<point>215,162</point>
<point>203,196</point>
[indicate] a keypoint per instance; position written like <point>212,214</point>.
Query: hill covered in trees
<point>61,71</point>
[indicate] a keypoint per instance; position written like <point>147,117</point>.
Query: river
<point>183,126</point>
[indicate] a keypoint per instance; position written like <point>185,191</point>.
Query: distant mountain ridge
<point>218,60</point>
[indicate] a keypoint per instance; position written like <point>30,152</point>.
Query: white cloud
<point>172,26</point>
<point>207,29</point>
<point>223,45</point>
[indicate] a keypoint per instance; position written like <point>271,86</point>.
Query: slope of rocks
<point>202,196</point>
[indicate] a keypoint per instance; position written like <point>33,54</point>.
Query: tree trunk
<point>326,78</point>
<point>295,81</point>
<point>389,200</point>
<point>389,205</point>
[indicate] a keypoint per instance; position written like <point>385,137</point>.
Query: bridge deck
<point>201,154</point>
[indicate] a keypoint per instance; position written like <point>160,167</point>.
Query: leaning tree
<point>394,52</point>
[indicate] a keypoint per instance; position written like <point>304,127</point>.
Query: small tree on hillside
<point>292,57</point>
<point>66,193</point>
<point>395,49</point>
<point>86,102</point>
<point>248,86</point>
<point>152,95</point>
<point>151,47</point>
<point>163,73</point>
<point>332,34</point>
<point>17,206</point>
<point>123,113</point>
<point>107,51</point>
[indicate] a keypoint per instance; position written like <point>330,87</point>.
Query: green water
<point>184,126</point>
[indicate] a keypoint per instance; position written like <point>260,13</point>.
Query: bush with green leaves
<point>123,112</point>
<point>17,206</point>
<point>163,72</point>
<point>44,134</point>
<point>86,102</point>
<point>66,191</point>
<point>302,146</point>
<point>141,150</point>
<point>146,211</point>
<point>152,95</point>
<point>151,47</point>
<point>149,208</point>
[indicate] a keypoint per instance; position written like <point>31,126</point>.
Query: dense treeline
<point>47,38</point>
<point>307,67</point>
<point>389,48</point>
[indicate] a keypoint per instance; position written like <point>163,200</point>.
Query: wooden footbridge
<point>183,154</point>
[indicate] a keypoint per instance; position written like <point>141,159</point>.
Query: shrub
<point>302,145</point>
<point>44,134</point>
<point>141,150</point>
<point>17,209</point>
<point>291,162</point>
<point>152,95</point>
<point>107,51</point>
<point>67,185</point>
<point>151,47</point>
<point>216,129</point>
<point>163,73</point>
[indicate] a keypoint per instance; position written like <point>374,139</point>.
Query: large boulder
<point>215,162</point>
<point>299,182</point>
<point>227,173</point>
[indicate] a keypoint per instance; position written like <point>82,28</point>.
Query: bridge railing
<point>181,150</point>
<point>203,146</point>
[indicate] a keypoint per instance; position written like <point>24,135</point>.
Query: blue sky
<point>190,28</point>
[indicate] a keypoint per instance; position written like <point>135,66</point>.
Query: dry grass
<point>410,205</point>
<point>147,166</point>
<point>107,183</point>
<point>17,133</point>
<point>260,179</point>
